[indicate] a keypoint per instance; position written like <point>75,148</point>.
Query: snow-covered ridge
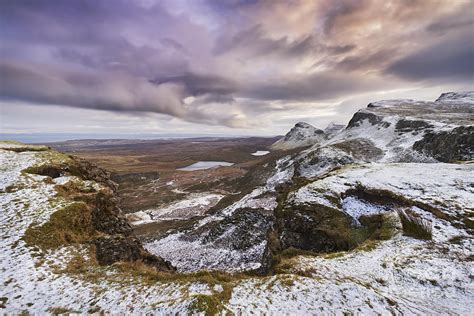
<point>399,131</point>
<point>460,97</point>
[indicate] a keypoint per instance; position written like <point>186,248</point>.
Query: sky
<point>222,67</point>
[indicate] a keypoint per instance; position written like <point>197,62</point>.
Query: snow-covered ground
<point>448,187</point>
<point>195,204</point>
<point>400,276</point>
<point>190,256</point>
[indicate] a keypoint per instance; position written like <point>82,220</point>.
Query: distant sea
<point>39,138</point>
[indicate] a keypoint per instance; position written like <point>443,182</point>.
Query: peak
<point>307,128</point>
<point>302,134</point>
<point>304,125</point>
<point>333,125</point>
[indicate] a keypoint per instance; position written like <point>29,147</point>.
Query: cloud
<point>450,59</point>
<point>44,85</point>
<point>318,86</point>
<point>230,63</point>
<point>198,84</point>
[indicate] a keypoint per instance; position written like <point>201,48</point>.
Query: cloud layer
<point>230,63</point>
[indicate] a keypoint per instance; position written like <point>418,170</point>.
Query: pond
<point>200,165</point>
<point>260,153</point>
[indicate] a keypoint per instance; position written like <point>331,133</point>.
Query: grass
<point>293,252</point>
<point>382,226</point>
<point>74,190</point>
<point>457,240</point>
<point>59,310</point>
<point>27,148</point>
<point>415,226</point>
<point>207,304</point>
<point>14,187</point>
<point>151,275</point>
<point>70,224</point>
<point>388,197</point>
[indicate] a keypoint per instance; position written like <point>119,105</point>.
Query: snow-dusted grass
<point>402,275</point>
<point>190,256</point>
<point>195,204</point>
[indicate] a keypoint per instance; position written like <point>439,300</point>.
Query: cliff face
<point>82,206</point>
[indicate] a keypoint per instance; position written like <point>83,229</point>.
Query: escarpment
<point>87,213</point>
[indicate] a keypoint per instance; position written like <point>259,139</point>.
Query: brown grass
<point>70,224</point>
<point>415,226</point>
<point>59,310</point>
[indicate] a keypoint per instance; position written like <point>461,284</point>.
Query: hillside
<point>374,218</point>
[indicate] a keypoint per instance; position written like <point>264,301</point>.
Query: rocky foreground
<point>373,218</point>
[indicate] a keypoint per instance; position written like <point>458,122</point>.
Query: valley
<point>156,191</point>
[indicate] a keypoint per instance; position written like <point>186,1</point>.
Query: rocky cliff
<point>57,209</point>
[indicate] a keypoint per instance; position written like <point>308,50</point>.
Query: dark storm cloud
<point>337,9</point>
<point>43,85</point>
<point>460,19</point>
<point>363,62</point>
<point>320,86</point>
<point>198,84</point>
<point>452,59</point>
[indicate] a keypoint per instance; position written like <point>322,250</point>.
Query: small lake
<point>200,165</point>
<point>260,153</point>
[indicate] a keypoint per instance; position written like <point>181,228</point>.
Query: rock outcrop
<point>448,146</point>
<point>88,211</point>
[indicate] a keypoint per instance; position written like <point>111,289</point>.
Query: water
<point>200,165</point>
<point>260,153</point>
